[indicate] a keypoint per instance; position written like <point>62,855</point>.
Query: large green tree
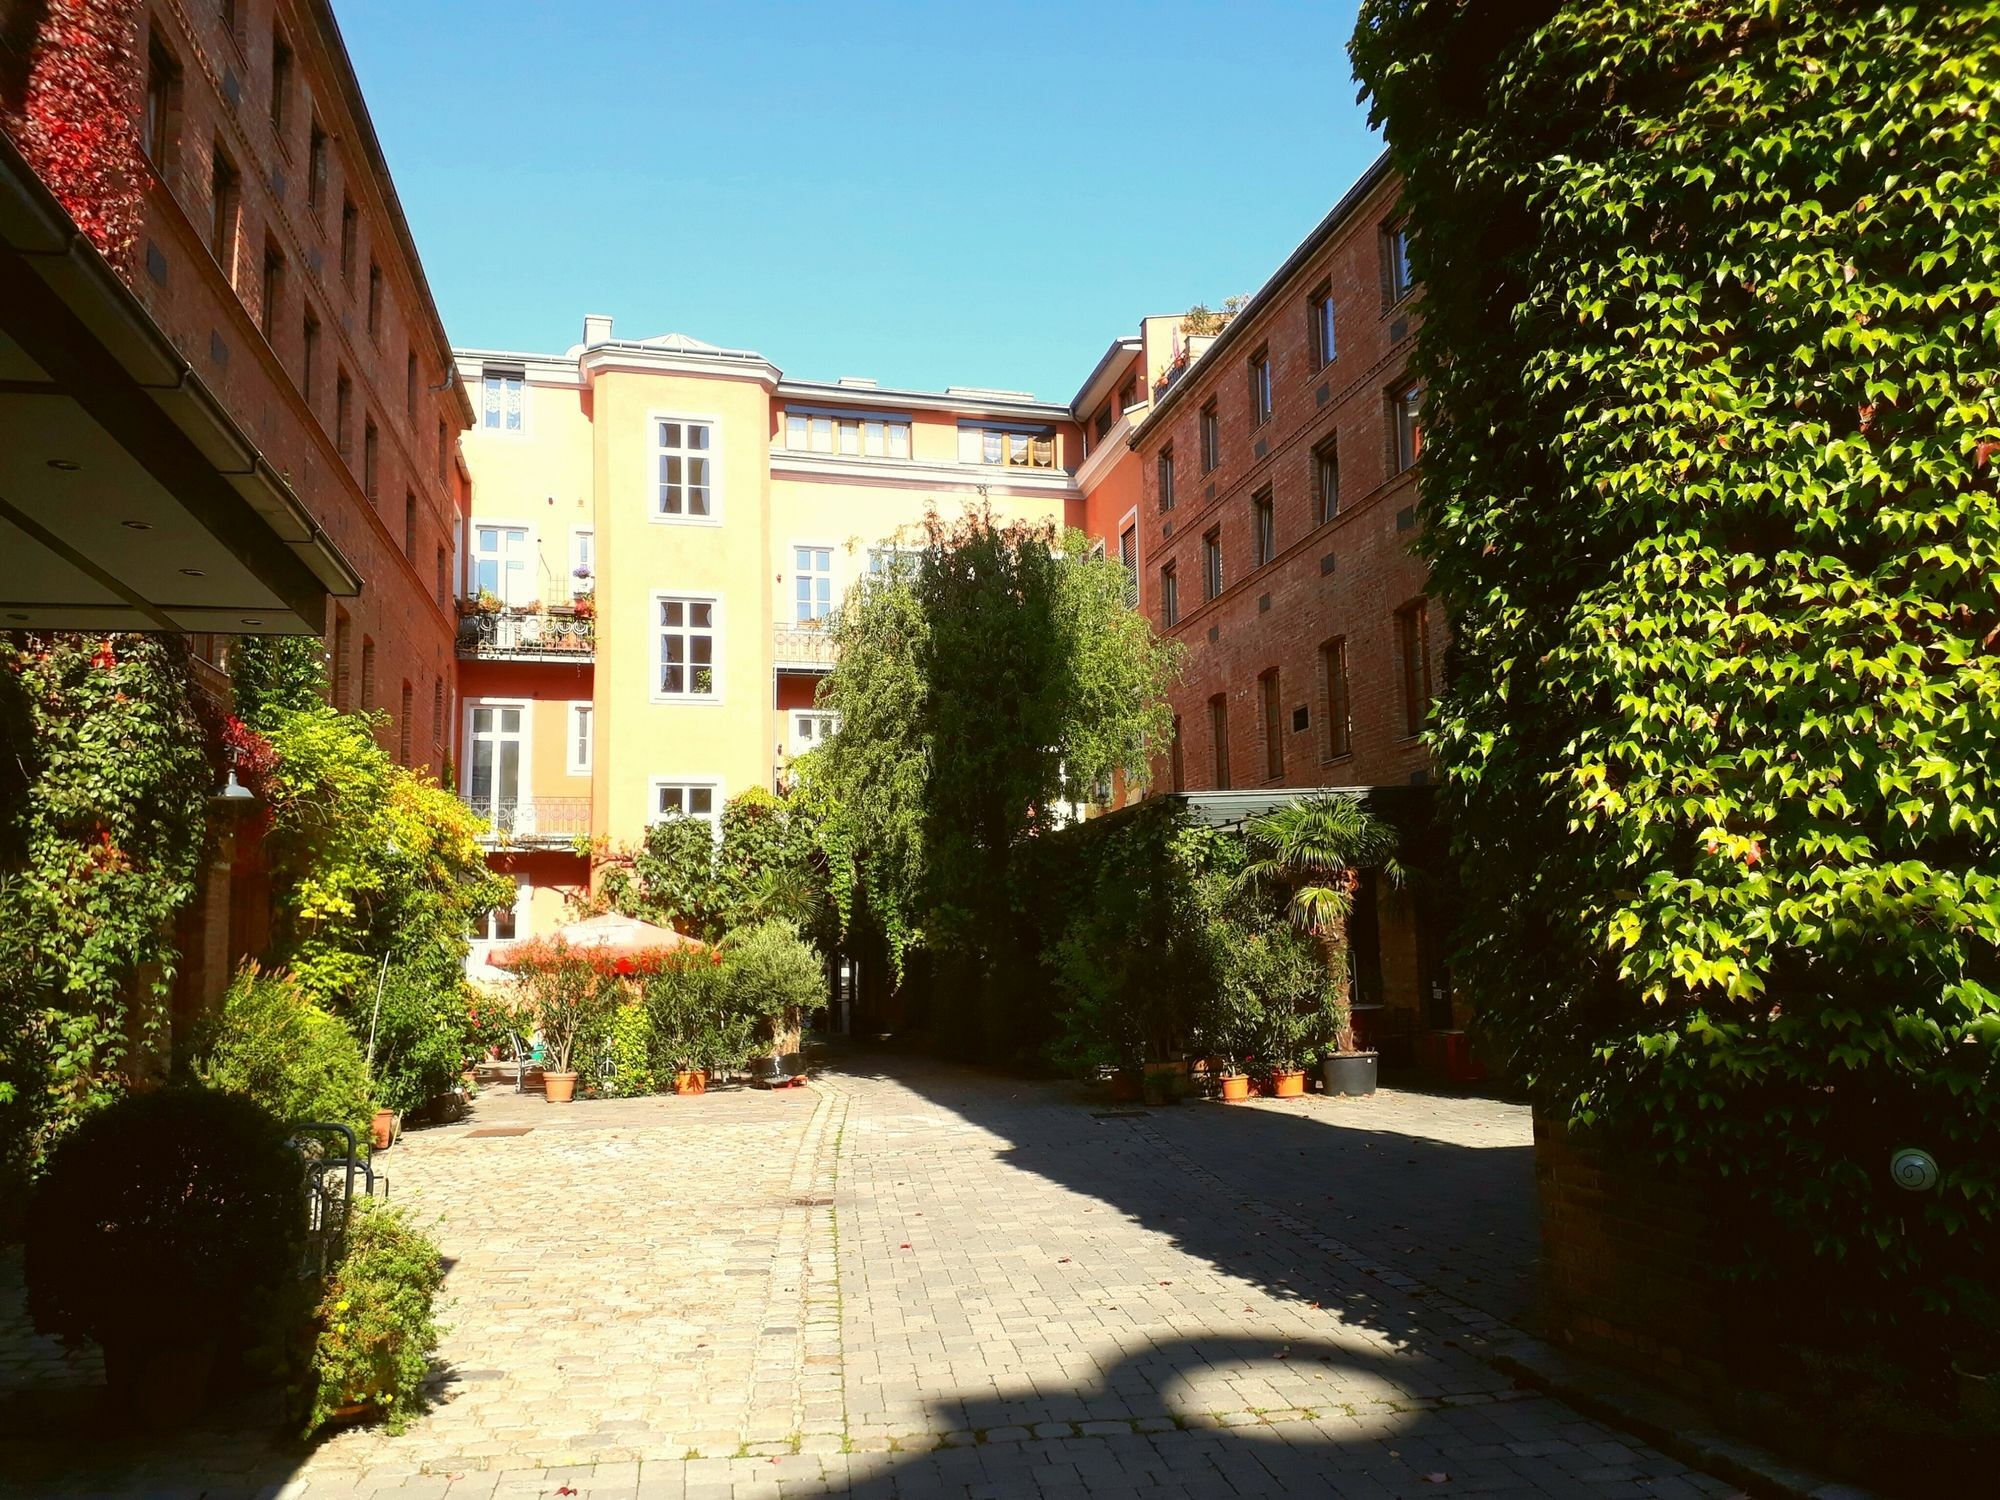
<point>1711,295</point>
<point>995,676</point>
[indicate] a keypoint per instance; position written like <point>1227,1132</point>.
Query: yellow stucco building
<point>658,529</point>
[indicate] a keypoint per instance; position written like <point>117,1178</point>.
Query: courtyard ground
<point>917,1280</point>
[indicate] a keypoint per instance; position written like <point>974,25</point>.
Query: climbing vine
<point>1709,333</point>
<point>102,827</point>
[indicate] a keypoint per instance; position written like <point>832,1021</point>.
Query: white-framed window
<point>1008,447</point>
<point>503,406</point>
<point>686,661</point>
<point>503,924</point>
<point>502,563</point>
<point>855,437</point>
<point>810,728</point>
<point>496,762</point>
<point>892,562</point>
<point>684,453</point>
<point>582,724</point>
<point>687,799</point>
<point>582,560</point>
<point>812,583</point>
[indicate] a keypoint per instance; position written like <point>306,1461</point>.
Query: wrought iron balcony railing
<point>528,635</point>
<point>537,821</point>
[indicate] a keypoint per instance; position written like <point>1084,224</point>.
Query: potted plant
<point>1314,852</point>
<point>693,1030</point>
<point>565,994</point>
<point>377,1327</point>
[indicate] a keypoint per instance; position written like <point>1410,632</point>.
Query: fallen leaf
<point>903,1247</point>
<point>1064,1261</point>
<point>1439,1478</point>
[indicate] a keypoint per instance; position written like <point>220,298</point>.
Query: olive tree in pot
<point>565,993</point>
<point>1313,852</point>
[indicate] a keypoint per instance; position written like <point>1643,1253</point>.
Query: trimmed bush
<point>173,1216</point>
<point>423,1034</point>
<point>772,977</point>
<point>273,1045</point>
<point>690,1023</point>
<point>378,1328</point>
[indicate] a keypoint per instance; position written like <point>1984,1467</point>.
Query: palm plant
<point>1315,851</point>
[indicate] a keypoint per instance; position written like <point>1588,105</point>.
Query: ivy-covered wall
<point>1710,310</point>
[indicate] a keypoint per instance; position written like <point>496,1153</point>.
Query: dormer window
<point>1007,446</point>
<point>853,435</point>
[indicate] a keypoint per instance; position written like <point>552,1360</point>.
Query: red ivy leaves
<point>77,123</point>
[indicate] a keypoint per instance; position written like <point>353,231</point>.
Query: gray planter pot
<point>1350,1073</point>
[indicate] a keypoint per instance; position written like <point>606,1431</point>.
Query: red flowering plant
<point>565,993</point>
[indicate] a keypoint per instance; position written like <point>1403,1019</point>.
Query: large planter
<point>692,1081</point>
<point>159,1385</point>
<point>1289,1083</point>
<point>1235,1087</point>
<point>559,1087</point>
<point>382,1129</point>
<point>1126,1086</point>
<point>1350,1073</point>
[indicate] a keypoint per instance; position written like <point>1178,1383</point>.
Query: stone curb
<point>1672,1426</point>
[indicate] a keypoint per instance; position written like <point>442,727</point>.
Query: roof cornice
<point>1336,219</point>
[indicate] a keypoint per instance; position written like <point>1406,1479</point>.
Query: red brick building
<point>257,227</point>
<point>1276,523</point>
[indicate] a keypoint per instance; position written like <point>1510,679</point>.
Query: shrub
<point>171,1216</point>
<point>772,977</point>
<point>423,1034</point>
<point>378,1327</point>
<point>690,1023</point>
<point>624,1038</point>
<point>1274,990</point>
<point>273,1045</point>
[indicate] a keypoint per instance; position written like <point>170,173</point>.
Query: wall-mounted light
<point>137,525</point>
<point>65,465</point>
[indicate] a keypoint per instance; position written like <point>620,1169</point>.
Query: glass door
<point>493,771</point>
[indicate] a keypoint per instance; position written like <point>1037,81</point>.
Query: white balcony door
<point>812,583</point>
<point>502,563</point>
<point>496,767</point>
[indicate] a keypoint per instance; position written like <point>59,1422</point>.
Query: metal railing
<point>799,644</point>
<point>534,820</point>
<point>331,1160</point>
<point>534,635</point>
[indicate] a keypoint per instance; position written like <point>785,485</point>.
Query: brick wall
<point>1626,1255</point>
<point>206,285</point>
<point>1341,578</point>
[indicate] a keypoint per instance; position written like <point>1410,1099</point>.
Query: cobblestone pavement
<point>915,1280</point>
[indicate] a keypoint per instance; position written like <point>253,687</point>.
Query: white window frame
<point>576,536</point>
<point>792,576</point>
<point>826,719</point>
<point>503,374</point>
<point>483,942</point>
<point>524,790</point>
<point>713,784</point>
<point>531,557</point>
<point>653,451</point>
<point>653,625</point>
<point>580,765</point>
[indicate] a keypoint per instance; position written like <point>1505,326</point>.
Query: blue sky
<point>930,194</point>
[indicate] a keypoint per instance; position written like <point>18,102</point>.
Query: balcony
<point>533,822</point>
<point>515,634</point>
<point>802,646</point>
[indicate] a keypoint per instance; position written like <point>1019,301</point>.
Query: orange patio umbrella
<point>620,939</point>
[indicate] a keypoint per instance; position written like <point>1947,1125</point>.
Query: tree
<point>1315,851</point>
<point>998,677</point>
<point>1709,492</point>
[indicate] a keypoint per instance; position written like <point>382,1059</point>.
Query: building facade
<point>1276,468</point>
<point>659,530</point>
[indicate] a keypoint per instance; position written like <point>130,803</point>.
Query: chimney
<point>596,329</point>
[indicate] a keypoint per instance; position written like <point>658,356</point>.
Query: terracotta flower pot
<point>1289,1084</point>
<point>1126,1087</point>
<point>1235,1087</point>
<point>382,1129</point>
<point>693,1081</point>
<point>559,1087</point>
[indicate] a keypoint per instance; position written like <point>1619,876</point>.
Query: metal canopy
<point>129,498</point>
